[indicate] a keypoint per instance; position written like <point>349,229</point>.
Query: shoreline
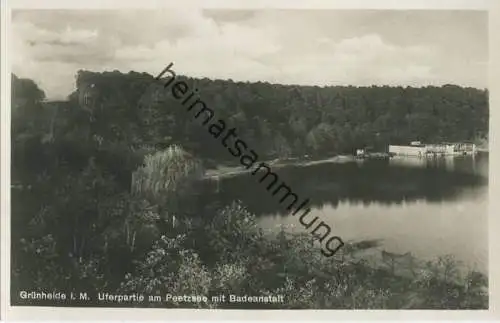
<point>224,171</point>
<point>231,171</point>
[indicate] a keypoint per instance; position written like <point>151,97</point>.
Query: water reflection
<point>429,207</point>
<point>382,182</point>
<point>477,165</point>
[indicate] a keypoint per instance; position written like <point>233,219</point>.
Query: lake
<point>430,207</point>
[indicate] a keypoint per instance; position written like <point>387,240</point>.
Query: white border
<point>35,313</point>
<point>258,4</point>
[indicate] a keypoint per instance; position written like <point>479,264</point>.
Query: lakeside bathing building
<point>417,149</point>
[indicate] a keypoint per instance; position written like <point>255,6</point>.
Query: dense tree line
<point>104,195</point>
<point>282,120</point>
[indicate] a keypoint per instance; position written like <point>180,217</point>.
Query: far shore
<point>230,171</point>
<point>224,171</point>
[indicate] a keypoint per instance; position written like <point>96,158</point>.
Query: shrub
<point>165,174</point>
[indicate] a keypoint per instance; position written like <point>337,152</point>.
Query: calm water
<point>428,207</point>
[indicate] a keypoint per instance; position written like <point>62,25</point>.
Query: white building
<point>409,151</point>
<point>416,149</point>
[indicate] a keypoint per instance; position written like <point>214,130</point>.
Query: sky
<point>305,47</point>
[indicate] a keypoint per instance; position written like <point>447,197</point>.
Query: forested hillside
<point>80,224</point>
<point>281,121</point>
